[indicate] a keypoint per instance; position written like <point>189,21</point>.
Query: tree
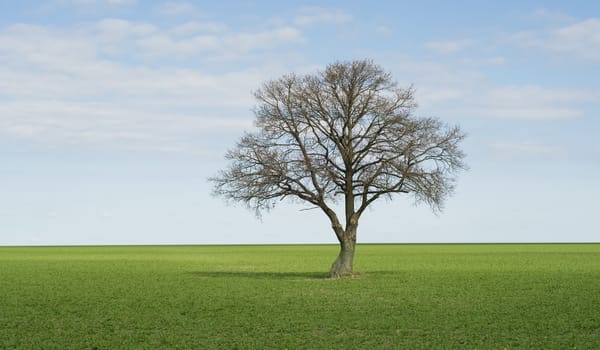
<point>345,134</point>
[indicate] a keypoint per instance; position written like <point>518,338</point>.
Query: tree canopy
<point>345,134</point>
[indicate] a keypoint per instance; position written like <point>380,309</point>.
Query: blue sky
<point>114,112</point>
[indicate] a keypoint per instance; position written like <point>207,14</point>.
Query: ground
<point>407,296</point>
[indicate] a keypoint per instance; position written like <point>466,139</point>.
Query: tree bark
<point>342,266</point>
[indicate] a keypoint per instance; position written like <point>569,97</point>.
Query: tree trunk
<point>342,266</point>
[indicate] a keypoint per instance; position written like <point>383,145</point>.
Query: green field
<point>225,297</point>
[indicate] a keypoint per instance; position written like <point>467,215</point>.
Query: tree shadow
<point>292,275</point>
<point>386,273</point>
<point>286,275</point>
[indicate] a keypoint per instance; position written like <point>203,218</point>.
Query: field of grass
<point>226,297</point>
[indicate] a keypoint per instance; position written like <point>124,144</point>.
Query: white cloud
<point>310,16</point>
<point>384,30</point>
<point>533,94</point>
<point>119,28</point>
<point>533,103</point>
<point>121,2</point>
<point>98,2</point>
<point>432,95</point>
<point>217,45</point>
<point>265,39</point>
<point>446,88</point>
<point>172,8</point>
<point>211,40</point>
<point>514,150</point>
<point>580,39</point>
<point>194,27</point>
<point>436,83</point>
<point>48,46</point>
<point>434,73</point>
<point>531,113</point>
<point>446,47</point>
<point>497,60</point>
<point>83,77</point>
<point>545,14</point>
<point>106,214</point>
<point>124,126</point>
<point>164,108</point>
<point>451,89</point>
<point>162,45</point>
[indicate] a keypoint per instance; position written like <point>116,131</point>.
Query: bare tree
<point>345,134</point>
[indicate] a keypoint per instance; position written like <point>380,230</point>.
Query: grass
<point>226,297</point>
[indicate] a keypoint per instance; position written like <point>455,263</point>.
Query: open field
<point>407,296</point>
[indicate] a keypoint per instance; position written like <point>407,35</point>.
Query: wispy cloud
<point>118,37</point>
<point>496,60</point>
<point>549,15</point>
<point>172,8</point>
<point>104,124</point>
<point>97,2</point>
<point>196,27</point>
<point>531,113</point>
<point>384,30</point>
<point>106,214</point>
<point>449,46</point>
<point>121,2</point>
<point>116,28</point>
<point>310,16</point>
<point>534,103</point>
<point>521,150</point>
<point>218,45</point>
<point>50,76</point>
<point>580,39</point>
